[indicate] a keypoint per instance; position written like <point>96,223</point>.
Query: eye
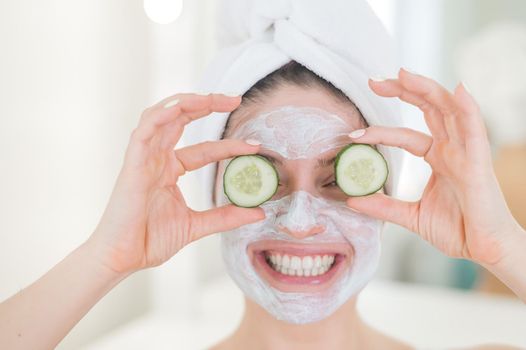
<point>330,184</point>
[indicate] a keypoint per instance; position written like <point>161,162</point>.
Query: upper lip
<point>300,249</point>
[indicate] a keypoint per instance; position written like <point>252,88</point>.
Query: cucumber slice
<point>250,180</point>
<point>360,170</point>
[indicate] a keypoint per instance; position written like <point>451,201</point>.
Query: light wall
<point>75,77</point>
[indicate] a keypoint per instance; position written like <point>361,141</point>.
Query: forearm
<point>41,315</point>
<point>511,269</point>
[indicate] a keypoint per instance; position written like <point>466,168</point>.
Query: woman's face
<point>311,253</point>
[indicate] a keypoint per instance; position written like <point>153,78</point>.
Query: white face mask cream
<point>296,132</point>
<point>301,133</point>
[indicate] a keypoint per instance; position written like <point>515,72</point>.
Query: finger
<point>187,108</point>
<point>437,96</point>
<point>413,141</point>
<point>198,155</point>
<point>227,217</point>
<point>473,127</point>
<point>385,208</point>
<point>429,90</point>
<point>190,103</point>
<point>472,122</point>
<point>393,88</point>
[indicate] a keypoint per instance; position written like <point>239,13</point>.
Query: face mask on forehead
<point>302,133</point>
<point>296,132</point>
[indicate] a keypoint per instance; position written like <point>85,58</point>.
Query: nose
<point>302,233</point>
<point>301,219</point>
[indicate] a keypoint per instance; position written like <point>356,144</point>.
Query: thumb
<point>383,207</point>
<point>221,219</point>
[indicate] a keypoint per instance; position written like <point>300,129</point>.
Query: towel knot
<point>265,14</point>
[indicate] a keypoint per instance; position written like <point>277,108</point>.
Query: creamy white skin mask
<point>296,133</point>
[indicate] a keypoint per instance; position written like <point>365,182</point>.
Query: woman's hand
<point>147,220</point>
<point>462,211</point>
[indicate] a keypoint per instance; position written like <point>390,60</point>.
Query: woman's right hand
<point>147,220</point>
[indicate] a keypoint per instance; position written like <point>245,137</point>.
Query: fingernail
<point>253,142</point>
<point>230,94</point>
<point>378,78</point>
<point>410,71</point>
<point>357,133</point>
<point>199,93</point>
<point>171,103</point>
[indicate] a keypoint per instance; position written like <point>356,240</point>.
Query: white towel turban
<point>342,41</point>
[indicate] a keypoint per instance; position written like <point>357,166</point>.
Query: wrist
<point>510,269</point>
<point>95,252</point>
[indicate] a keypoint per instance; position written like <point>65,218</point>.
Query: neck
<point>342,329</point>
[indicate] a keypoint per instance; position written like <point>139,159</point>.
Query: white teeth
<point>295,263</point>
<point>301,266</point>
<point>317,261</point>
<point>325,260</point>
<point>285,261</point>
<point>307,262</point>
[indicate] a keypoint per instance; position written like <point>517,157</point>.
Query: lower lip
<point>326,278</point>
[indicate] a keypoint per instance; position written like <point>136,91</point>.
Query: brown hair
<point>292,73</point>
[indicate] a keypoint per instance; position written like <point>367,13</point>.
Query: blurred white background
<point>74,79</point>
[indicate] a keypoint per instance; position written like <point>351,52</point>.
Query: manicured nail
<point>230,94</point>
<point>410,71</point>
<point>378,79</point>
<point>357,133</point>
<point>253,142</point>
<point>171,103</point>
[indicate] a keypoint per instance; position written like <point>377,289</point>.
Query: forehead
<point>295,132</point>
<point>298,96</point>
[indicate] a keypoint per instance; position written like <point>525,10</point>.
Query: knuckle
<point>144,117</point>
<point>136,136</point>
<point>181,121</point>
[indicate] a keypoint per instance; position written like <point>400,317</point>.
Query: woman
<point>462,213</point>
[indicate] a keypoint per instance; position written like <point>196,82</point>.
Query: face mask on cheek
<point>301,211</point>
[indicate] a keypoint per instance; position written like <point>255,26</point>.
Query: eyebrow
<point>321,162</point>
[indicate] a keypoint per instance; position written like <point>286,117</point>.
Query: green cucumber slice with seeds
<point>360,170</point>
<point>250,180</point>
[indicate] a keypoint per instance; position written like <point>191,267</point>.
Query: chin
<point>292,291</point>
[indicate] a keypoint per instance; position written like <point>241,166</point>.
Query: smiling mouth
<point>300,267</point>
<point>293,265</point>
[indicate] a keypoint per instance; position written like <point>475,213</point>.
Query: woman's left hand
<point>462,211</point>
